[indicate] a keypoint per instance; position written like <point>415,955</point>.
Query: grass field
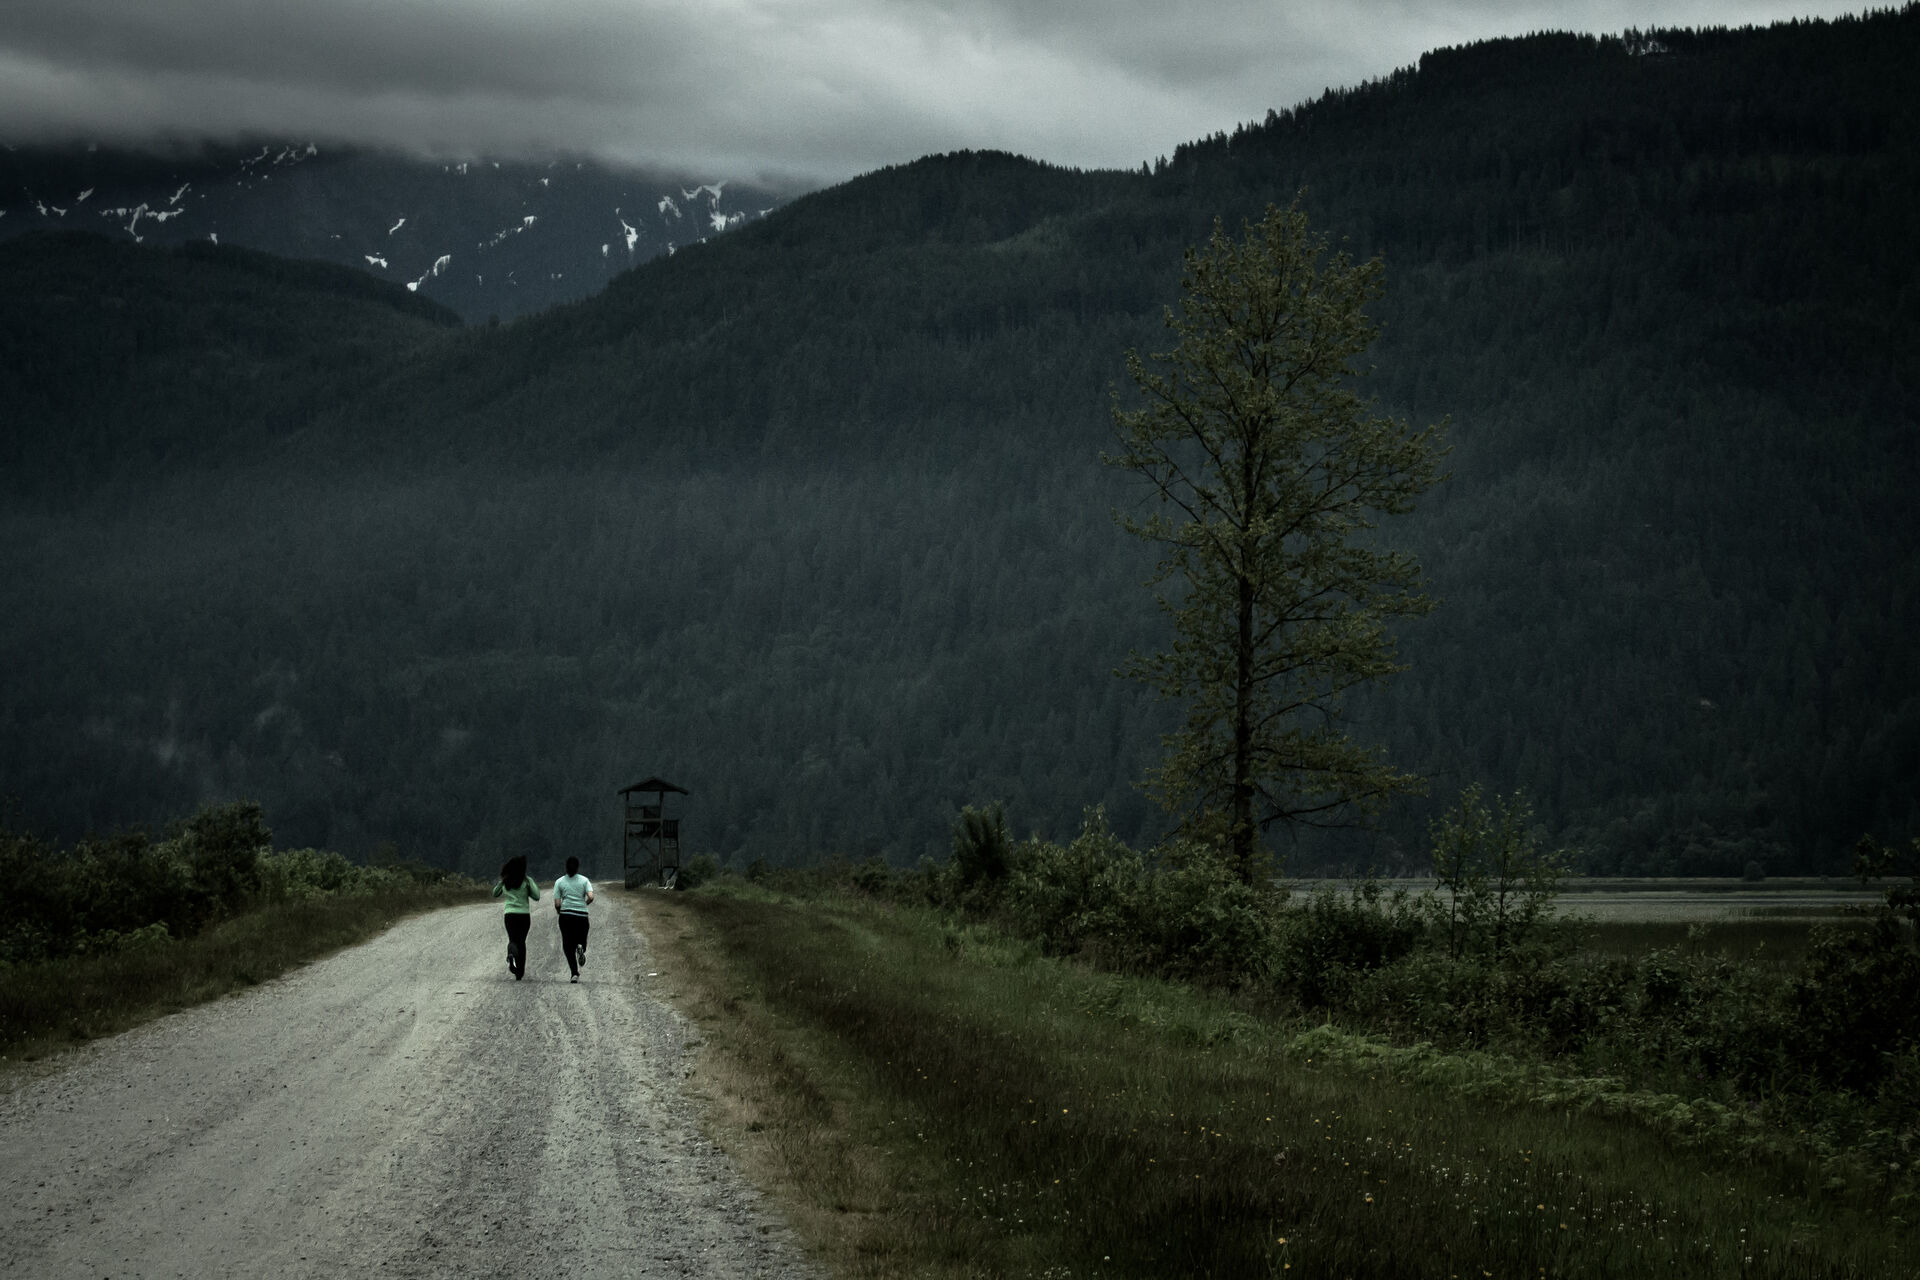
<point>939,1101</point>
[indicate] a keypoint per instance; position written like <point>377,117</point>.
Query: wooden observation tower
<point>651,848</point>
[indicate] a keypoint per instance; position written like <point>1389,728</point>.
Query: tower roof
<point>655,784</point>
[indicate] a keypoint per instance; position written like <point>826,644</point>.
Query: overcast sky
<point>815,90</point>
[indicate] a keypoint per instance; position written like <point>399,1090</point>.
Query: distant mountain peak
<point>539,230</point>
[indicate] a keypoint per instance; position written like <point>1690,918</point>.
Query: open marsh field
<point>1609,900</point>
<point>1770,920</point>
<point>1656,901</point>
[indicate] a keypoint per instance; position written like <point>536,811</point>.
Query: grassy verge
<point>49,1006</point>
<point>943,1102</point>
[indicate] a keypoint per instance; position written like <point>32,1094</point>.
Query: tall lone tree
<point>1269,467</point>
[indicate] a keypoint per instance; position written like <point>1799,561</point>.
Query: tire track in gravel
<point>404,1109</point>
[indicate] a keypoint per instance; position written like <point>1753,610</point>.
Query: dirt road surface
<point>402,1109</point>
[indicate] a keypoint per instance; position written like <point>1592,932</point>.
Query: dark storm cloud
<point>817,89</point>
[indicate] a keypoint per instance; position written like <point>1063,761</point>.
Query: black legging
<point>573,933</point>
<point>518,922</point>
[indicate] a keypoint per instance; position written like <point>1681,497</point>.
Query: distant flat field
<point>1653,900</point>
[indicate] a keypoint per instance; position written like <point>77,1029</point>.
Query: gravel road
<point>401,1109</point>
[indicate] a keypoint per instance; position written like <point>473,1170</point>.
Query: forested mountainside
<point>810,519</point>
<point>487,238</point>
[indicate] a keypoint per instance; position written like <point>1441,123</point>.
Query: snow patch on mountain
<point>667,206</point>
<point>396,226</point>
<point>633,237</point>
<point>439,267</point>
<point>375,261</point>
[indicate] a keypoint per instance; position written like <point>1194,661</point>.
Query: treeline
<point>129,891</point>
<point>810,519</point>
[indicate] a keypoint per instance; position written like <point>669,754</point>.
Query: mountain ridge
<point>544,231</point>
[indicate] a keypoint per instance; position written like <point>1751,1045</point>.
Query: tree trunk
<point>1243,738</point>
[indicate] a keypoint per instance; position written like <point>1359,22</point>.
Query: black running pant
<point>573,933</point>
<point>518,922</point>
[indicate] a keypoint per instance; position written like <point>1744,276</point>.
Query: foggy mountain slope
<point>122,360</point>
<point>809,518</point>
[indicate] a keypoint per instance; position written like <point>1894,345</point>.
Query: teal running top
<point>520,900</point>
<point>570,894</point>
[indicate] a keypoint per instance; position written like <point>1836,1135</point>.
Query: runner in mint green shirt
<point>571,894</point>
<point>521,892</point>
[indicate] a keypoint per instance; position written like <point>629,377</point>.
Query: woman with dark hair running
<point>520,891</point>
<point>571,894</point>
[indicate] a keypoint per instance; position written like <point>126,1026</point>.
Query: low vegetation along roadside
<point>107,934</point>
<point>938,1082</point>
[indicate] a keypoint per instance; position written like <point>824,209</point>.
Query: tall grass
<point>942,1100</point>
<point>50,1005</point>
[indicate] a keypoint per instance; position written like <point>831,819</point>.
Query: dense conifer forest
<point>810,519</point>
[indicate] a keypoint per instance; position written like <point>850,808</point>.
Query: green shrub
<point>1334,938</point>
<point>110,941</point>
<point>296,875</point>
<point>221,847</point>
<point>874,878</point>
<point>1069,897</point>
<point>1856,1003</point>
<point>1194,918</point>
<point>700,869</point>
<point>1182,913</point>
<point>982,855</point>
<point>1496,881</point>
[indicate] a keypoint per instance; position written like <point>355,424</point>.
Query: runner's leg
<point>570,940</point>
<point>517,924</point>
